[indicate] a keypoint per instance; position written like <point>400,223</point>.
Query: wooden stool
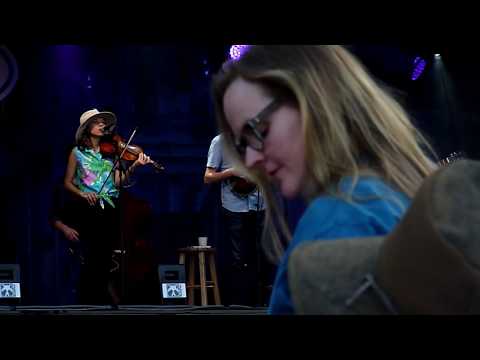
<point>204,283</point>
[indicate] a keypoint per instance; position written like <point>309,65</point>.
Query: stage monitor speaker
<point>10,283</point>
<point>172,283</point>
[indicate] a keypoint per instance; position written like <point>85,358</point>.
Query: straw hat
<point>89,115</point>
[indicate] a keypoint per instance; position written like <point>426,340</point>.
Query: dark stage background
<point>165,90</point>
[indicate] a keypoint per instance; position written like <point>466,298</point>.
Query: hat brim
<point>323,275</point>
<point>110,123</point>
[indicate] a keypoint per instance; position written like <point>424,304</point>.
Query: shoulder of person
<point>77,150</point>
<point>330,216</point>
<point>366,189</point>
<point>324,212</point>
<point>217,139</point>
<point>328,211</point>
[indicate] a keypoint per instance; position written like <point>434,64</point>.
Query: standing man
<point>243,212</point>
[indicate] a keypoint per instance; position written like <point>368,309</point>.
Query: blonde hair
<point>351,125</point>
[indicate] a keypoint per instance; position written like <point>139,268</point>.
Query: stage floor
<point>92,310</point>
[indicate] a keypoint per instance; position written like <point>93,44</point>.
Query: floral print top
<point>92,170</point>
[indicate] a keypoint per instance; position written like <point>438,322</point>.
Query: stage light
<point>236,51</point>
<point>418,68</point>
<point>438,56</point>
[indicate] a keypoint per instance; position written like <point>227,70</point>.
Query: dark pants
<point>99,232</point>
<point>248,268</point>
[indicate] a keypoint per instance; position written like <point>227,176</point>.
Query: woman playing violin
<point>89,175</point>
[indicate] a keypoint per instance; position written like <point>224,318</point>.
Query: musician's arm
<point>123,177</point>
<point>212,176</point>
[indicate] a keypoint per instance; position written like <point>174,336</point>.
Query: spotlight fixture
<point>236,51</point>
<point>418,67</point>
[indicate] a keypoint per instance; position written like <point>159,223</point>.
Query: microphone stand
<point>123,252</point>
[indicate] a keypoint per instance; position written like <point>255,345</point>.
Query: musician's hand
<point>142,160</point>
<point>90,197</point>
<point>70,233</point>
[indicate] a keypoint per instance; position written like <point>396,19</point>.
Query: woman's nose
<point>253,158</point>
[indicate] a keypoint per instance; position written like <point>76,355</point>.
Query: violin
<point>241,187</point>
<point>115,145</point>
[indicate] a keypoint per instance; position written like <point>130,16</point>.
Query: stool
<point>192,253</point>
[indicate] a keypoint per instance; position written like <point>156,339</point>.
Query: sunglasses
<point>255,130</point>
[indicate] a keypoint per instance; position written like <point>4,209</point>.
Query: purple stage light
<point>236,51</point>
<point>418,67</point>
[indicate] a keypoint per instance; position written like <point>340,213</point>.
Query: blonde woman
<point>312,122</point>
